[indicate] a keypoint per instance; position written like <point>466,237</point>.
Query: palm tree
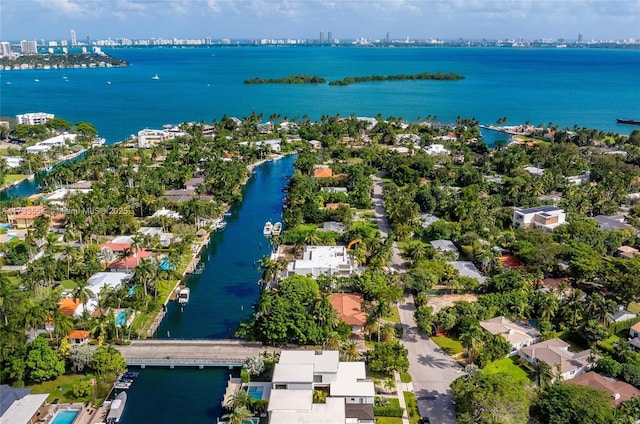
<point>83,293</point>
<point>472,342</point>
<point>238,399</point>
<point>240,415</point>
<point>549,307</point>
<point>349,351</point>
<point>9,296</point>
<point>543,373</point>
<point>333,341</point>
<point>62,325</point>
<point>125,254</point>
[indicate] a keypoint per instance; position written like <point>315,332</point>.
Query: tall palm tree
<point>543,373</point>
<point>240,398</point>
<point>125,254</point>
<point>549,307</point>
<point>349,351</point>
<point>83,293</point>
<point>471,340</point>
<point>240,415</point>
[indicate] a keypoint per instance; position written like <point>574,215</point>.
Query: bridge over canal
<point>191,353</point>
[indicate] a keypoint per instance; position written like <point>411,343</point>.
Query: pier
<point>191,353</point>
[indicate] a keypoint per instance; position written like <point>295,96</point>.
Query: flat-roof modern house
<point>546,218</point>
<point>299,373</point>
<point>518,334</point>
<point>19,406</point>
<point>327,260</point>
<point>555,352</point>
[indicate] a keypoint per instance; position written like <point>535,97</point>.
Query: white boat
<point>221,225</point>
<point>268,228</point>
<point>155,77</point>
<point>277,229</point>
<point>183,295</point>
<point>117,408</point>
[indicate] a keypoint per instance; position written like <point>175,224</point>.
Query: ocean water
<point>584,87</point>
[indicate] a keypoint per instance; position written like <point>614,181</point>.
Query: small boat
<point>130,374</point>
<point>183,295</point>
<point>268,228</point>
<point>277,229</point>
<point>117,408</point>
<point>122,385</point>
<point>628,121</point>
<point>221,225</point>
<point>109,82</point>
<point>156,77</point>
<point>36,80</point>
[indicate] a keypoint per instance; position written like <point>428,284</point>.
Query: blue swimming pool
<point>65,417</point>
<point>255,392</point>
<point>5,226</point>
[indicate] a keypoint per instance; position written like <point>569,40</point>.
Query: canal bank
<point>221,297</point>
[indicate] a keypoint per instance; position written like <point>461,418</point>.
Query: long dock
<point>191,353</point>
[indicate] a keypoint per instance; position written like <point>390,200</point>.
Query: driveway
<point>432,370</point>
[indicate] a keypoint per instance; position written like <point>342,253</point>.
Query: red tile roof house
<point>618,390</point>
<point>130,263</point>
<point>79,337</point>
<point>349,307</point>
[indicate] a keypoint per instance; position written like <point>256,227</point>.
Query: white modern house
<point>436,149</point>
<point>148,138</point>
<point>327,260</point>
<point>299,373</point>
<point>546,218</point>
<point>556,354</point>
<point>34,118</point>
<point>518,334</point>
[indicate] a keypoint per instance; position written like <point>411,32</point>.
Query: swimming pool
<point>65,416</point>
<point>255,392</point>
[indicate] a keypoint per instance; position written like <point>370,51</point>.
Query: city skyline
<point>244,19</point>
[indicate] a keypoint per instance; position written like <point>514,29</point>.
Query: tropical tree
<point>240,415</point>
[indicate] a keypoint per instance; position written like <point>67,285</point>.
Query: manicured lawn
<point>60,388</point>
<point>394,316</point>
<point>405,377</point>
<point>507,366</point>
<point>388,420</point>
<point>68,284</point>
<point>634,307</point>
<point>412,407</point>
<point>10,178</point>
<point>449,344</point>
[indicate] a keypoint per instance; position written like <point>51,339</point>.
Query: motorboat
<point>277,229</point>
<point>628,121</point>
<point>155,77</point>
<point>183,295</point>
<point>221,225</point>
<point>268,228</point>
<point>117,408</point>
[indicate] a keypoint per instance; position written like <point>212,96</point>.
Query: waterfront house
<point>518,334</point>
<point>19,406</point>
<point>349,307</point>
<point>24,217</point>
<point>148,138</point>
<point>37,148</point>
<point>13,161</point>
<point>327,260</point>
<point>165,238</point>
<point>34,118</point>
<point>79,337</point>
<point>130,263</point>
<point>546,218</point>
<point>112,280</point>
<point>299,373</point>
<point>618,391</point>
<point>555,352</point>
<point>166,213</point>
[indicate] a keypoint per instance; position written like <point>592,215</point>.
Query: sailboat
<point>156,77</point>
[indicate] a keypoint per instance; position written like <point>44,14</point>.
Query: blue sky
<point>346,19</point>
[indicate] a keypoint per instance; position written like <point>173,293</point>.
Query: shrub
<point>387,411</point>
<point>245,376</point>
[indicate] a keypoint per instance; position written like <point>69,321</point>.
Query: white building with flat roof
<point>148,138</point>
<point>327,260</point>
<point>34,118</point>
<point>546,218</point>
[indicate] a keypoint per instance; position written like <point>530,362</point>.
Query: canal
<point>221,297</point>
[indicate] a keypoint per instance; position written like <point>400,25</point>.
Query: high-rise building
<point>207,41</point>
<point>386,39</point>
<point>88,40</point>
<point>29,47</point>
<point>330,37</point>
<point>74,40</point>
<point>5,49</point>
<point>321,37</point>
<point>579,38</point>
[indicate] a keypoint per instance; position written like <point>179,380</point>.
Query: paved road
<point>190,352</point>
<point>431,369</point>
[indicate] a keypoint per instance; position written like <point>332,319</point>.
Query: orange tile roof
<point>115,247</point>
<point>322,173</point>
<point>511,262</point>
<point>28,212</point>
<point>132,261</point>
<point>624,391</point>
<point>636,327</point>
<point>79,334</point>
<point>349,307</point>
<point>69,305</point>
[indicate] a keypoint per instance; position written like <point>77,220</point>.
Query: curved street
<point>431,369</point>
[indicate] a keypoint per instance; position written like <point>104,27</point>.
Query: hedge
<point>387,411</point>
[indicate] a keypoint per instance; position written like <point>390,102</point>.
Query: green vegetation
<point>508,367</point>
<point>68,60</point>
<point>412,407</point>
<point>439,76</point>
<point>450,345</point>
<point>291,79</point>
<point>405,377</point>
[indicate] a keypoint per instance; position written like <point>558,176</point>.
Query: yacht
<point>183,295</point>
<point>221,225</point>
<point>117,408</point>
<point>277,229</point>
<point>155,77</point>
<point>268,228</point>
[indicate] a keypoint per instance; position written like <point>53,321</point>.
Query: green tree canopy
<point>573,404</point>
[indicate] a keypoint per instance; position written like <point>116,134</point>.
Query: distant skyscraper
<point>207,41</point>
<point>88,40</point>
<point>387,38</point>
<point>330,37</point>
<point>29,47</point>
<point>321,37</point>
<point>5,49</point>
<point>579,38</point>
<point>74,40</point>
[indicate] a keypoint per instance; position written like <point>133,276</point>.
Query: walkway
<point>191,353</point>
<point>431,369</point>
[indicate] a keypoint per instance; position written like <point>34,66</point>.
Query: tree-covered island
<point>60,61</point>
<point>438,76</point>
<point>291,79</point>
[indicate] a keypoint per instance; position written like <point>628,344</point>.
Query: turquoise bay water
<point>584,87</point>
